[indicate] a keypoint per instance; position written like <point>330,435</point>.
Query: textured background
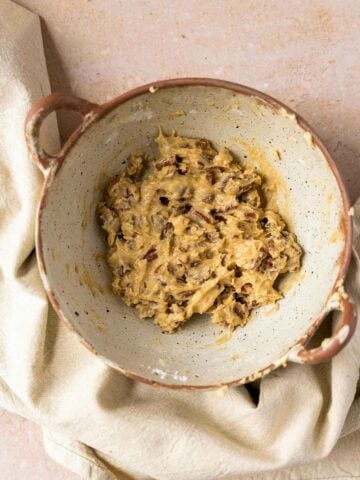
<point>304,53</point>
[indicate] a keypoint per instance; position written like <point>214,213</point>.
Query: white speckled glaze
<point>199,355</point>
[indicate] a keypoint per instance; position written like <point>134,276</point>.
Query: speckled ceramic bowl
<point>71,248</point>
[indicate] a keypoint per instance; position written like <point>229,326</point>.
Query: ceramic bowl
<point>71,248</point>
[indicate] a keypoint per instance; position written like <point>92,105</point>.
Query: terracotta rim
<point>45,106</point>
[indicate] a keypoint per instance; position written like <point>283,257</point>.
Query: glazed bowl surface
<point>261,132</point>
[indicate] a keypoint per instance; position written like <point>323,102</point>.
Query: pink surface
<point>303,53</point>
<point>22,456</point>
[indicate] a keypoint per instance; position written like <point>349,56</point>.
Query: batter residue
<point>189,233</point>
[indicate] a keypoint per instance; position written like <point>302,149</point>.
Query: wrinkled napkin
<point>104,426</point>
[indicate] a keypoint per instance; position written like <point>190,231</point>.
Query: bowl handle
<point>40,110</point>
<point>330,346</point>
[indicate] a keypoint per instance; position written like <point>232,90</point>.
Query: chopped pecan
<point>120,234</point>
<point>185,209</point>
<point>167,231</point>
<point>202,216</point>
<point>171,268</point>
<point>170,300</point>
<point>187,293</point>
<point>250,215</point>
<point>150,255</point>
<point>158,268</point>
<point>239,298</point>
<point>238,310</point>
<point>182,279</point>
<point>238,272</point>
<point>224,181</point>
<point>266,264</point>
<point>211,177</point>
<point>202,143</point>
<point>246,288</point>
<point>164,163</point>
<point>182,170</point>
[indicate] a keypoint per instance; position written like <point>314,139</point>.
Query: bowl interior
<point>305,192</point>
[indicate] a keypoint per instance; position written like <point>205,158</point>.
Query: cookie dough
<point>189,233</point>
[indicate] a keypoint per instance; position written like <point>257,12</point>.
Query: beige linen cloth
<point>104,426</point>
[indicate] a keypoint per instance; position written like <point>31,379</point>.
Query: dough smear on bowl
<point>189,233</point>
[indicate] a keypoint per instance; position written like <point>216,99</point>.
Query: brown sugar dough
<point>187,233</point>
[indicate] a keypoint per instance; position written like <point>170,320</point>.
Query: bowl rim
<point>100,111</point>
